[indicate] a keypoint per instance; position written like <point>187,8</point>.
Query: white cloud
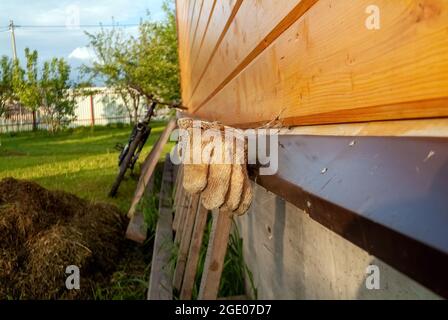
<point>82,53</point>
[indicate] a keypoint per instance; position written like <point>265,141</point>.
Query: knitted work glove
<point>215,165</point>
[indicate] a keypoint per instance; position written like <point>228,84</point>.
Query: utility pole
<point>13,39</point>
<point>14,53</point>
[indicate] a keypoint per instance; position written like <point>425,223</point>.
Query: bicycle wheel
<point>125,164</point>
<point>139,149</point>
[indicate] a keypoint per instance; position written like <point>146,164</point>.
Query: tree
<point>110,47</point>
<point>138,68</point>
<point>50,90</point>
<point>26,84</point>
<point>6,89</point>
<point>57,98</point>
<point>157,57</point>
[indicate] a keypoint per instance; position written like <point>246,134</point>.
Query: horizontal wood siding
<point>196,49</point>
<point>255,19</point>
<point>312,62</point>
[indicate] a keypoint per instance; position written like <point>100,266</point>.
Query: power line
<point>76,26</point>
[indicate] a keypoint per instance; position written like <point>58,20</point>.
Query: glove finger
<point>233,197</point>
<point>195,177</point>
<point>218,181</point>
<point>246,197</point>
<point>195,174</point>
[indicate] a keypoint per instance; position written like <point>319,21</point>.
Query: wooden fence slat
<point>178,210</point>
<point>193,254</point>
<point>184,210</point>
<point>179,216</point>
<point>216,252</point>
<point>150,165</point>
<point>179,190</point>
<point>190,215</point>
<point>176,176</point>
<point>178,199</point>
<point>136,230</point>
<point>160,281</point>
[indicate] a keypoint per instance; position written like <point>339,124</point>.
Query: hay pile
<point>42,232</point>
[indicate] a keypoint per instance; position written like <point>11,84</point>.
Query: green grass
<point>82,161</point>
<point>130,280</point>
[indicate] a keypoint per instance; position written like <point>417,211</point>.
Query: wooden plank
<point>180,25</point>
<point>187,230</point>
<point>345,72</point>
<point>180,198</point>
<point>197,17</point>
<point>216,252</point>
<point>136,230</point>
<point>431,127</point>
<point>182,16</point>
<point>175,175</point>
<point>182,217</point>
<point>152,159</point>
<point>221,18</point>
<point>160,280</point>
<point>409,128</point>
<point>178,189</point>
<point>256,24</point>
<point>194,4</point>
<point>193,253</point>
<point>203,24</point>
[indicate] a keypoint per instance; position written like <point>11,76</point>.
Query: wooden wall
<point>291,256</point>
<point>246,62</point>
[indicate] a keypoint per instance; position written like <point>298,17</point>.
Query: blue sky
<point>69,43</point>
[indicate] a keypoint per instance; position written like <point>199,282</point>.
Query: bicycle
<point>131,151</point>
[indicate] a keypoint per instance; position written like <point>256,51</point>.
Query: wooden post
<point>92,111</point>
<point>190,215</point>
<point>151,161</point>
<point>137,230</point>
<point>183,209</point>
<point>160,281</point>
<point>193,254</point>
<point>176,173</point>
<point>178,204</point>
<point>179,191</point>
<point>179,199</point>
<point>216,252</point>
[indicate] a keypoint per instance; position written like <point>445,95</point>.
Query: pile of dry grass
<point>42,232</point>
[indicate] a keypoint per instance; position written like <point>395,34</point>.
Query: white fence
<point>102,108</point>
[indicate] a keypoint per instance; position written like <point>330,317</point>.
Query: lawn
<point>82,161</point>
